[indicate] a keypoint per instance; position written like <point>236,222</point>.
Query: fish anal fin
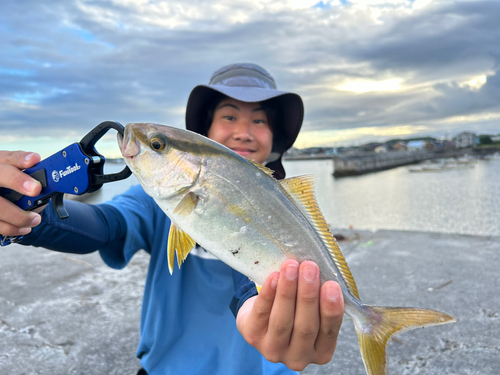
<point>301,190</point>
<point>178,242</point>
<point>263,168</point>
<point>187,204</point>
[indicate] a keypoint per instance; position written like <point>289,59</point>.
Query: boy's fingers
<point>283,312</point>
<point>307,317</point>
<point>11,230</point>
<point>253,317</point>
<point>13,178</point>
<point>263,305</point>
<point>19,159</point>
<point>12,219</point>
<point>331,313</point>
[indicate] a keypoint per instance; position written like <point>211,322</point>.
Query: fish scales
<point>255,237</point>
<point>252,222</point>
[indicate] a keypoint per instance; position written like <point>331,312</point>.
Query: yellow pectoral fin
<point>180,242</point>
<point>187,204</point>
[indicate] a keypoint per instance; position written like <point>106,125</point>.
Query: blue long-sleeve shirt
<point>186,324</point>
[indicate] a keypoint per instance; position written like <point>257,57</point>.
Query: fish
<point>235,209</point>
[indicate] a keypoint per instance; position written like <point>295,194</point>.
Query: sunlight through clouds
<point>369,86</point>
<point>359,65</point>
<point>354,136</point>
<point>417,4</point>
<point>473,118</point>
<point>476,83</point>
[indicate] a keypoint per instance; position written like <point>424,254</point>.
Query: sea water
<point>463,201</point>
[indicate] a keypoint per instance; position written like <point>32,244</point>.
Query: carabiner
<point>87,144</point>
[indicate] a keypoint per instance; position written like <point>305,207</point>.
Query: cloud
<point>70,64</point>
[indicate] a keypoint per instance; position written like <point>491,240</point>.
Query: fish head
<point>159,158</point>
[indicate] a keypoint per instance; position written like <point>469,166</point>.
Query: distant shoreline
<point>347,165</point>
<point>477,151</point>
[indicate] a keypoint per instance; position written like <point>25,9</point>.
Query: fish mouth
<point>122,145</point>
<point>128,143</point>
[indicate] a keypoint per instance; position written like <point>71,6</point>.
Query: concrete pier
<point>351,165</point>
<point>64,314</point>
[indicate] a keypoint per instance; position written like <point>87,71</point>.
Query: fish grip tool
<point>77,169</point>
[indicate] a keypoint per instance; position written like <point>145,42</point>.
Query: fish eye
<point>158,143</point>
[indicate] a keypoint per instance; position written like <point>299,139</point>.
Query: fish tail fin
<point>382,323</point>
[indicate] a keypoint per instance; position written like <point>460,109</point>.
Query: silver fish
<point>236,210</point>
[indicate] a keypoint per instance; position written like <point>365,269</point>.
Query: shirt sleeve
<point>87,229</point>
<point>146,226</point>
<point>118,228</point>
<point>244,288</point>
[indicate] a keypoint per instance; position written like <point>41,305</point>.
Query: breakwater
<point>367,162</point>
<point>358,164</point>
<point>352,165</point>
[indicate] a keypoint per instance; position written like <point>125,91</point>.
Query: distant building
<point>443,144</point>
<point>430,145</point>
<point>465,139</point>
<point>400,146</point>
<point>313,150</point>
<point>416,146</point>
<point>380,149</point>
<point>331,151</point>
<point>348,150</point>
<point>370,147</point>
<point>495,138</point>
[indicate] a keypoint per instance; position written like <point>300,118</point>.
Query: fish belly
<point>252,226</point>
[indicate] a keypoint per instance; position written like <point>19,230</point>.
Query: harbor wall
<point>367,162</point>
<point>352,165</point>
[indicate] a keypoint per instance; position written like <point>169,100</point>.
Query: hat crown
<point>243,75</point>
<point>249,83</point>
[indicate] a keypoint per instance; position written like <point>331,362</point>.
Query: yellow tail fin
<point>382,323</point>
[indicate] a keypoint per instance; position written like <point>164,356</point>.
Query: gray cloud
<point>72,64</point>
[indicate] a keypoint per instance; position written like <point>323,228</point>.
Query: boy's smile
<point>244,128</point>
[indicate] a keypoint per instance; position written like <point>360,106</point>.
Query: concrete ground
<point>64,314</point>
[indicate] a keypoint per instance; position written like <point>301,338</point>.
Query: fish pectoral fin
<point>180,242</point>
<point>187,204</point>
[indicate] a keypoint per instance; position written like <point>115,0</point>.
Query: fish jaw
<point>162,173</point>
<point>128,144</point>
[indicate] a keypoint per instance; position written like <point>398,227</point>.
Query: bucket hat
<point>250,83</point>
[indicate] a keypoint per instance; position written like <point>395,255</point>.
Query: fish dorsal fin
<point>301,191</point>
<point>180,242</point>
<point>263,168</point>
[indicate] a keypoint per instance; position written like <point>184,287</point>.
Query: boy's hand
<point>13,220</point>
<point>293,320</point>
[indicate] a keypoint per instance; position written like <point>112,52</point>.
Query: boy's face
<point>244,128</point>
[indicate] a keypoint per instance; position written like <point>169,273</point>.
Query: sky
<point>367,70</point>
